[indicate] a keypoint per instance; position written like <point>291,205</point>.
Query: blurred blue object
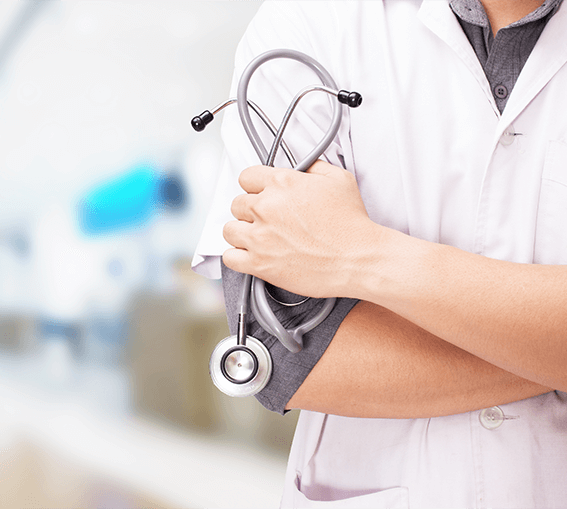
<point>58,328</point>
<point>125,202</point>
<point>48,328</point>
<point>130,201</point>
<point>172,192</point>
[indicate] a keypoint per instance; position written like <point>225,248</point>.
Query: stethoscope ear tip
<point>351,99</point>
<point>354,99</point>
<point>201,121</point>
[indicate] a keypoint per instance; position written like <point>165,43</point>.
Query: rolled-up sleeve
<point>289,369</point>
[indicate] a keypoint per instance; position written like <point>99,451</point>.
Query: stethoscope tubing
<point>253,293</point>
<point>267,122</point>
<point>241,365</point>
<point>292,339</point>
<point>243,111</point>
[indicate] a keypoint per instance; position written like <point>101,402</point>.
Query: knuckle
<point>256,209</point>
<point>283,178</point>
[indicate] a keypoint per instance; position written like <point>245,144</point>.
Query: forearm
<point>382,365</point>
<point>509,314</point>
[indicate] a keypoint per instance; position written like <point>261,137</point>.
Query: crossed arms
<point>439,330</point>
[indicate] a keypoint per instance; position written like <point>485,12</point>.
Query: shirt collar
<point>472,11</point>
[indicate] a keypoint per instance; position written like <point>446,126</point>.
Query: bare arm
<point>381,365</point>
<point>510,314</point>
<point>309,233</point>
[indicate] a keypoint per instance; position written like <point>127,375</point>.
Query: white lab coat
<point>435,159</point>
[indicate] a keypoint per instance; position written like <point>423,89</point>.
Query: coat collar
<point>546,59</point>
<point>438,17</point>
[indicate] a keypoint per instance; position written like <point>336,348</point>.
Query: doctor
<point>439,381</point>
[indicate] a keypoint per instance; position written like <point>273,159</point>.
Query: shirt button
<point>491,418</point>
<point>508,136</point>
<point>500,91</point>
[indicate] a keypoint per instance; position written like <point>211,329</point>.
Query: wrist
<point>389,268</point>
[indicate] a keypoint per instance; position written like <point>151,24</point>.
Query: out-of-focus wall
<point>105,333</point>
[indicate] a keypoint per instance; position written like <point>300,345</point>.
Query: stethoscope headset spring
<point>241,365</point>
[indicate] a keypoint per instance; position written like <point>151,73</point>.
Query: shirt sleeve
<point>289,369</point>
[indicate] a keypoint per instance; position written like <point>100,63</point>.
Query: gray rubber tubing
<point>292,339</point>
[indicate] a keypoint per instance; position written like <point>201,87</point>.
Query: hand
<point>298,231</point>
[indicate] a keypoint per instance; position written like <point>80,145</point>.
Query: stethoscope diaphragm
<point>240,370</point>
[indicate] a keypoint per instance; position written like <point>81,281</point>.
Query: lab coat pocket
<point>392,498</point>
<point>551,228</point>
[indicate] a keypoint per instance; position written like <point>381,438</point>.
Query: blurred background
<point>105,333</point>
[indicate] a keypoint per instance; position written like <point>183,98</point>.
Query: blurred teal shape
<point>125,202</point>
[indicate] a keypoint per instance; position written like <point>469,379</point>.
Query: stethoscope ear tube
<point>292,339</point>
<point>243,111</point>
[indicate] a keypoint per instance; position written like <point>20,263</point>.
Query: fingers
<point>237,233</point>
<point>242,207</point>
<point>256,178</point>
<point>236,259</point>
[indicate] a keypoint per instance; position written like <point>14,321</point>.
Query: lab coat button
<point>508,136</point>
<point>491,418</point>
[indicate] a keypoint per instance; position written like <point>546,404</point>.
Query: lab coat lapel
<point>547,58</point>
<point>440,19</point>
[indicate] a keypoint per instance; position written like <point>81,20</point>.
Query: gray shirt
<point>502,58</point>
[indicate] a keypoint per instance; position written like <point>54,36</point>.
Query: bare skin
<point>502,13</point>
<point>381,365</point>
<point>496,311</point>
<point>440,331</point>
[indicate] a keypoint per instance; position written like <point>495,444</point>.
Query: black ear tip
<point>354,99</point>
<point>201,121</point>
<point>198,124</point>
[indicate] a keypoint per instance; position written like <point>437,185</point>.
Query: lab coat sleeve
<point>277,25</point>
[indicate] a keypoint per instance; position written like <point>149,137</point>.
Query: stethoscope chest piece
<point>239,370</point>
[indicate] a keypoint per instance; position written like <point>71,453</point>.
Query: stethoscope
<point>241,365</point>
